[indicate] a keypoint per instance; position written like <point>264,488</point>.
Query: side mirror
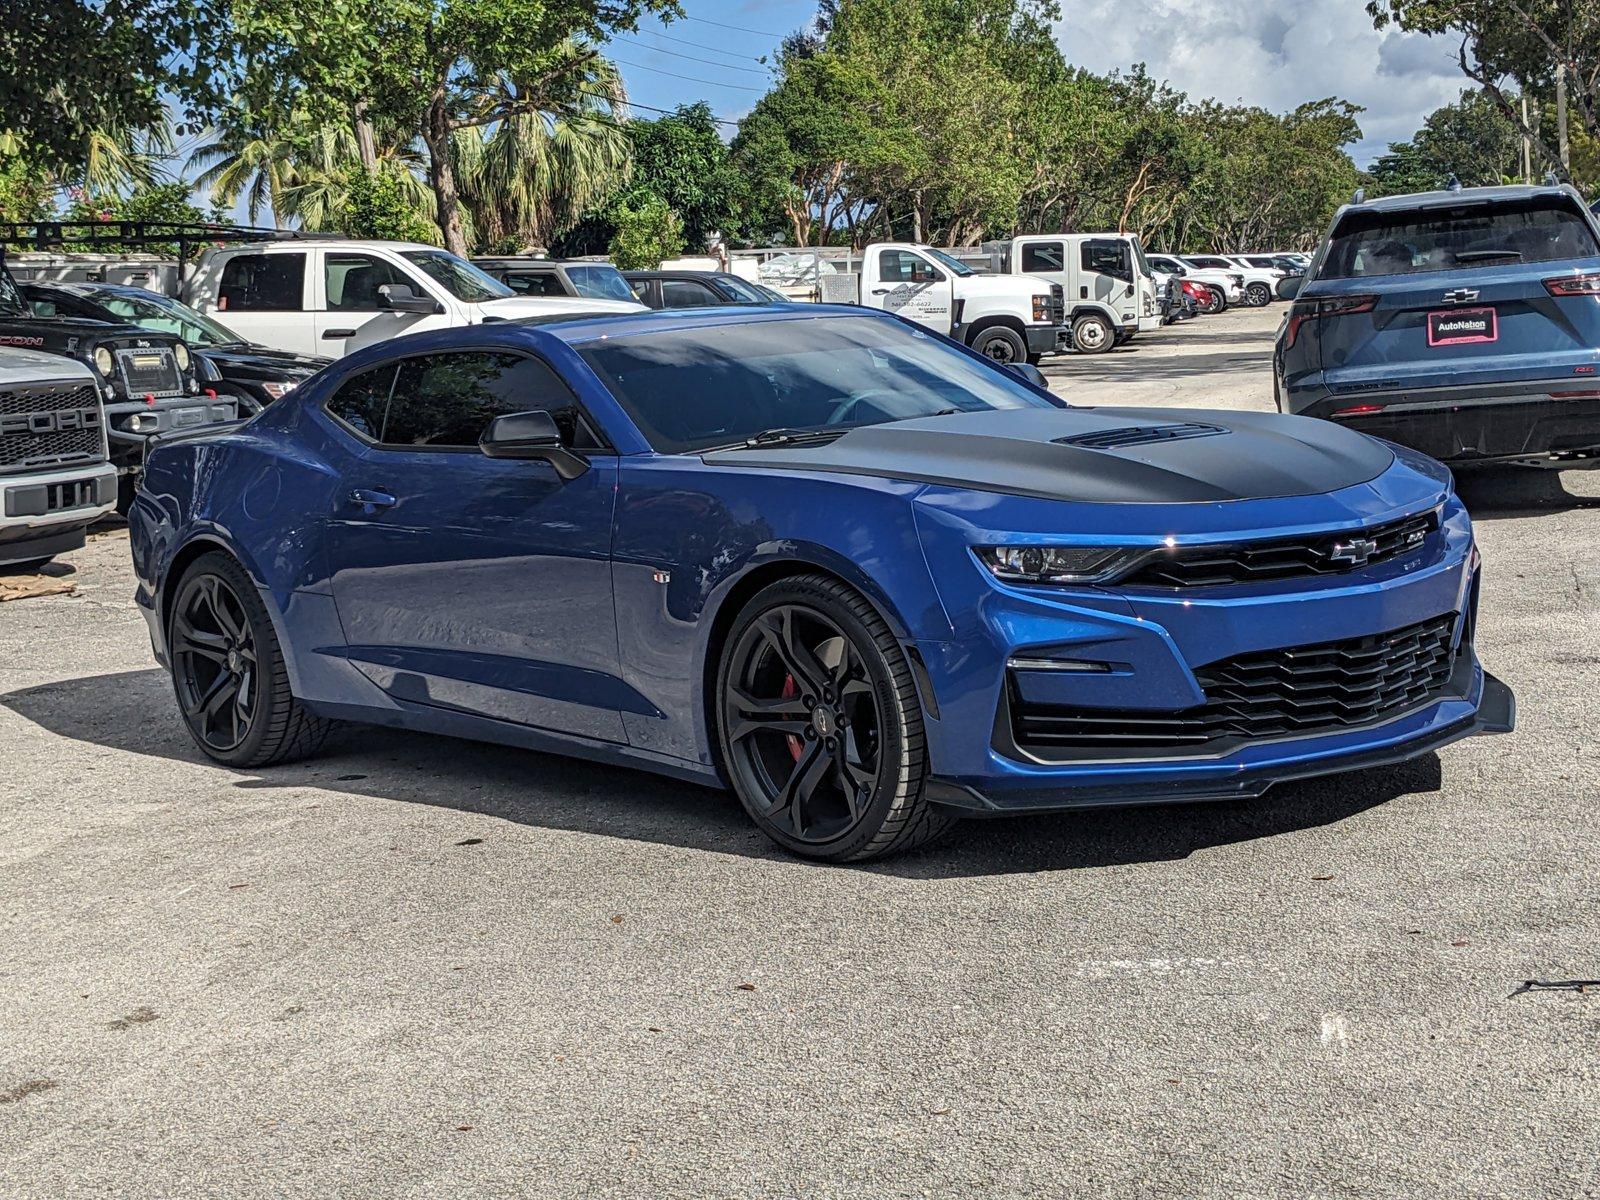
<point>398,297</point>
<point>1289,286</point>
<point>1031,373</point>
<point>531,435</point>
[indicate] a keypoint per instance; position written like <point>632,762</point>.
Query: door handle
<point>880,291</point>
<point>338,333</point>
<point>371,500</point>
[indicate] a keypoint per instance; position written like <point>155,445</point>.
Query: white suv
<point>331,296</point>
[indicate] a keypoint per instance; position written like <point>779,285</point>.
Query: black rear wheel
<point>228,670</point>
<point>820,726</point>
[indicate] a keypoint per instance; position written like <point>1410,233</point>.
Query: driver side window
<point>352,281</point>
<point>901,266</point>
<point>445,401</point>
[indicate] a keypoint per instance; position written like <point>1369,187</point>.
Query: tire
<point>1208,305</point>
<point>1001,344</point>
<point>1257,294</point>
<point>127,485</point>
<point>819,725</point>
<point>1092,334</point>
<point>228,671</point>
<point>1221,298</point>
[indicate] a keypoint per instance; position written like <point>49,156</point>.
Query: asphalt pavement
<point>421,967</point>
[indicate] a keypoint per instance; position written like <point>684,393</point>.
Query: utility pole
<point>1561,116</point>
<point>1527,142</point>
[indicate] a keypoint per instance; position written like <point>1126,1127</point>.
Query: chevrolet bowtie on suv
<point>1464,323</point>
<point>146,381</point>
<point>54,478</point>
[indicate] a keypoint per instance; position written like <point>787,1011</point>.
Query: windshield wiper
<point>781,437</point>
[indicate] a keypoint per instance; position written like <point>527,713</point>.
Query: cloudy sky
<point>1274,53</point>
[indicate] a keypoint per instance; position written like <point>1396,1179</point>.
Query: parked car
<point>1226,287</point>
<point>865,577</point>
<point>228,363</point>
<point>1004,317</point>
<point>1109,290</point>
<point>1259,285</point>
<point>332,296</point>
<point>1463,323</point>
<point>147,382</point>
<point>580,277</point>
<point>55,479</point>
<point>697,289</point>
<point>1205,299</point>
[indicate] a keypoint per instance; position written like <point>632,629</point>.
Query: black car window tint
<point>685,293</point>
<point>360,400</point>
<point>1537,229</point>
<point>446,401</point>
<point>351,281</point>
<point>543,283</point>
<point>1044,256</point>
<point>263,283</point>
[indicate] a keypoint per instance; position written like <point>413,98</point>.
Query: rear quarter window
<point>1535,230</point>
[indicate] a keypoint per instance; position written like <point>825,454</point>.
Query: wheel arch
<point>196,546</point>
<point>735,593</point>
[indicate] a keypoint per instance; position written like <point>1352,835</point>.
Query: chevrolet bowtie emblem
<point>1461,296</point>
<point>1356,551</point>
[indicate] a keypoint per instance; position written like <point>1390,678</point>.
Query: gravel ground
<point>417,967</point>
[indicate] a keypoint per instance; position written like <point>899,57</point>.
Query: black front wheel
<point>1000,344</point>
<point>820,726</point>
<point>228,670</point>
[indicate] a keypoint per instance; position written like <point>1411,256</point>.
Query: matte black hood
<point>246,360</point>
<point>1098,456</point>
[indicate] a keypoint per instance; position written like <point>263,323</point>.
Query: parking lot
<point>415,966</point>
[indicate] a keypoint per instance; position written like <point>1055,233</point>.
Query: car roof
<point>574,328</point>
<point>1467,195</point>
<point>517,260</point>
<point>679,273</point>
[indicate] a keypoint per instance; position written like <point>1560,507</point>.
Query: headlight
<point>1058,564</point>
<point>1041,308</point>
<point>103,361</point>
<point>181,353</point>
<point>277,388</point>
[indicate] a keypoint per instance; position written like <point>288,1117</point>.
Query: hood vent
<point>1140,435</point>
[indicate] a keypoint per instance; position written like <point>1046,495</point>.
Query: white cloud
<point>1272,53</point>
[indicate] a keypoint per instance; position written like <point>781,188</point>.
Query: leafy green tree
<point>1471,139</point>
<point>683,159</point>
<point>647,231</point>
<point>436,67</point>
<point>377,204</point>
<point>1508,47</point>
<point>76,66</point>
<point>167,203</point>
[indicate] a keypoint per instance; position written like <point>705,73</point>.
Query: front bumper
<point>1489,707</point>
<point>131,424</point>
<point>45,513</point>
<point>1556,424</point>
<point>1048,339</point>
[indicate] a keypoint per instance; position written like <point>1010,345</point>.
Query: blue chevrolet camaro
<point>863,576</point>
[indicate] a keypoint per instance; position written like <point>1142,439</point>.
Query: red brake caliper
<point>790,691</point>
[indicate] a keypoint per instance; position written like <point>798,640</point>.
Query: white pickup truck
<point>54,477</point>
<point>1109,290</point>
<point>1000,316</point>
<point>332,296</point>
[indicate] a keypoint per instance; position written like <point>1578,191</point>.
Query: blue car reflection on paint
<point>863,576</point>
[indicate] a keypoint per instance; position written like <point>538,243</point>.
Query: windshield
<point>10,299</point>
<point>165,316</point>
<point>689,389</point>
<point>600,281</point>
<point>745,293</point>
<point>957,267</point>
<point>1538,229</point>
<point>463,280</point>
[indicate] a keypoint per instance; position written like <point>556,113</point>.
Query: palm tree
<point>526,175</point>
<point>118,159</point>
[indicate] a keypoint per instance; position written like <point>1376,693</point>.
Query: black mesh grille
<point>1254,562</point>
<point>1300,692</point>
<point>152,372</point>
<point>30,426</point>
<point>1140,435</point>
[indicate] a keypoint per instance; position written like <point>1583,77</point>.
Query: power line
<point>666,112</point>
<point>710,62</point>
<point>698,46</point>
<point>740,28</point>
<point>689,78</point>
